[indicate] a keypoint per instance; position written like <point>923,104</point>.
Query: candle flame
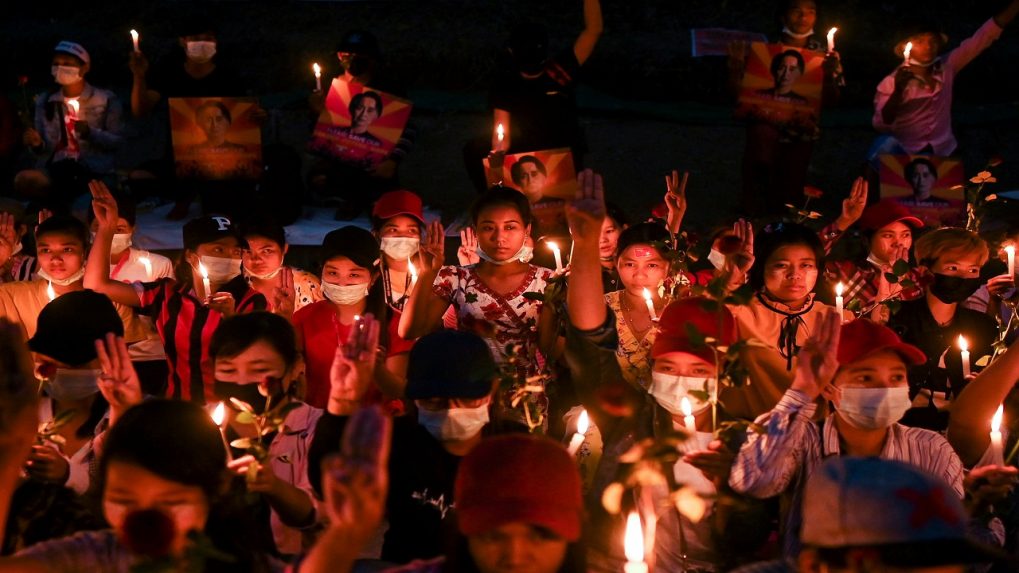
<point>73,104</point>
<point>411,268</point>
<point>553,246</point>
<point>583,423</point>
<point>839,288</point>
<point>203,271</point>
<point>996,420</point>
<point>907,51</point>
<point>500,132</point>
<point>1010,249</point>
<point>686,407</point>
<point>219,414</point>
<point>317,68</point>
<point>963,345</point>
<point>633,541</point>
<point>52,294</point>
<point>831,34</point>
<point>134,35</point>
<point>647,294</point>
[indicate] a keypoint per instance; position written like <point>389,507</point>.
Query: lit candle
<point>688,419</point>
<point>1010,254</point>
<point>838,299</point>
<point>997,444</point>
<point>52,294</point>
<point>134,40</point>
<point>578,437</point>
<point>318,76</point>
<point>148,267</point>
<point>558,256</point>
<point>413,273</point>
<point>831,39</point>
<point>650,304</point>
<point>72,104</point>
<point>964,352</point>
<point>500,132</point>
<point>206,287</point>
<point>633,545</point>
<point>218,417</point>
<point>906,52</point>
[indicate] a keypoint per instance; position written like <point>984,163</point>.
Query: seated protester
<point>615,223</point>
<point>678,367</point>
<point>15,263</point>
<point>780,317</point>
<point>863,374</point>
<point>184,313</point>
<point>953,258</point>
<point>77,126</point>
<point>286,288</point>
<point>61,242</point>
<point>451,378</point>
<point>257,362</point>
<point>997,297</point>
<point>489,297</point>
<point>888,228</point>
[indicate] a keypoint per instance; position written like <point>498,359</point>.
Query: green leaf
<point>907,283</point>
<point>700,395</point>
<point>243,406</point>
<point>471,297</point>
<point>538,296</point>
<point>892,277</point>
<point>901,267</point>
<point>245,418</point>
<point>854,305</point>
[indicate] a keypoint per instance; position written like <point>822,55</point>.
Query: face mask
<point>873,408</point>
<point>454,424</point>
<point>73,384</point>
<point>201,52</point>
<point>400,248</point>
<point>221,269</point>
<point>121,242</point>
<point>716,258</point>
<point>791,34</point>
<point>62,282</point>
<point>244,392</point>
<point>267,276</point>
<point>345,294</point>
<point>669,391</point>
<point>951,290</point>
<point>526,254</point>
<point>66,75</point>
<point>523,252</point>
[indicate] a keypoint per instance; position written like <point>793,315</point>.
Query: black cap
<point>360,42</point>
<point>69,326</point>
<point>450,364</point>
<point>355,243</point>
<point>209,229</point>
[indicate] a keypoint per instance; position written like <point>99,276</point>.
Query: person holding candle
<point>951,259</point>
<point>996,297</point>
<point>178,306</point>
<point>288,289</point>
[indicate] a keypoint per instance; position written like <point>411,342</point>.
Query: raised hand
<point>118,382</point>
<point>675,199</point>
<point>433,250</point>
<point>103,205</point>
<point>353,369</point>
<point>817,363</point>
<point>43,215</point>
<point>354,483</point>
<point>8,237</point>
<point>283,295</point>
<point>743,259</point>
<point>715,462</point>
<point>467,254</point>
<point>853,206</point>
<point>586,212</point>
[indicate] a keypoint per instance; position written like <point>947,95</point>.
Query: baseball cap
<point>355,243</point>
<point>400,202</point>
<point>360,42</point>
<point>450,364</point>
<point>74,49</point>
<point>862,337</point>
<point>518,478</point>
<point>209,229</point>
<point>69,326</point>
<point>674,334</point>
<point>886,212</point>
<point>868,502</point>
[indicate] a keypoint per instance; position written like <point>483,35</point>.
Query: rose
<point>812,192</point>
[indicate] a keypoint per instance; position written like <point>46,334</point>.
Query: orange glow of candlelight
<point>996,420</point>
<point>583,423</point>
<point>963,345</point>
<point>633,541</point>
<point>219,414</point>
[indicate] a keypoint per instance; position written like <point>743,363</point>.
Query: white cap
<point>76,50</point>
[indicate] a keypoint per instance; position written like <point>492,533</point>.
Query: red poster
<point>215,138</point>
<point>923,184</point>
<point>359,125</point>
<point>782,85</point>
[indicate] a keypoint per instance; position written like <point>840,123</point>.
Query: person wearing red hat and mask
<point>861,369</point>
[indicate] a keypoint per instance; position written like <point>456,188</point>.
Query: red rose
<point>149,533</point>
<point>812,192</point>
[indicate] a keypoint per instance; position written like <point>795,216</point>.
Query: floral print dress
<point>633,353</point>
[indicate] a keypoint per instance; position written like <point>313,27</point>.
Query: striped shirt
<point>780,460</point>
<point>186,325</point>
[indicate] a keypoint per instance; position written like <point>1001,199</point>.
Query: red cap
<point>518,478</point>
<point>400,202</point>
<point>673,335</point>
<point>861,338</point>
<point>886,212</point>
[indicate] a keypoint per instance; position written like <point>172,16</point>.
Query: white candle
<point>52,294</point>
<point>1010,254</point>
<point>831,39</point>
<point>148,267</point>
<point>206,287</point>
<point>134,40</point>
<point>633,545</point>
<point>650,304</point>
<point>558,256</point>
<point>318,76</point>
<point>413,273</point>
<point>578,437</point>
<point>964,352</point>
<point>218,417</point>
<point>997,444</point>
<point>906,52</point>
<point>500,132</point>
<point>688,420</point>
<point>838,299</point>
<point>72,104</point>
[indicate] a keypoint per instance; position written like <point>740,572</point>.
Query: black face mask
<point>357,65</point>
<point>951,290</point>
<point>244,392</point>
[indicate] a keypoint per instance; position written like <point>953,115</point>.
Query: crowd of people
<point>790,393</point>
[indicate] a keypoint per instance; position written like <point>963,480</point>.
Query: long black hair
<point>778,235</point>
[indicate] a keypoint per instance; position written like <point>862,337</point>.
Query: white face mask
<point>526,254</point>
<point>66,75</point>
<point>345,294</point>
<point>791,34</point>
<point>62,282</point>
<point>121,242</point>
<point>522,253</point>
<point>455,424</point>
<point>221,269</point>
<point>716,258</point>
<point>266,276</point>
<point>669,391</point>
<point>73,384</point>
<point>200,52</point>
<point>873,408</point>
<point>400,248</point>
